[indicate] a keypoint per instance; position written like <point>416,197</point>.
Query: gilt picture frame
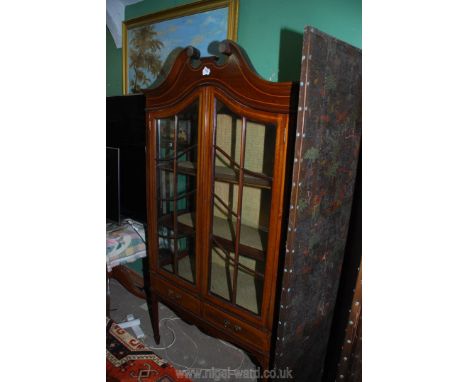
<point>150,42</point>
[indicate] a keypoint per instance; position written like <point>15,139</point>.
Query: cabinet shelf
<point>252,244</point>
<point>184,230</point>
<point>223,174</point>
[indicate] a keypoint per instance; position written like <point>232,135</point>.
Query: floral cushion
<point>125,243</point>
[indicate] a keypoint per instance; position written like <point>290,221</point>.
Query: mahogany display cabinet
<point>220,151</point>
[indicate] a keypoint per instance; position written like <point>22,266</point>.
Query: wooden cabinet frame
<point>233,82</point>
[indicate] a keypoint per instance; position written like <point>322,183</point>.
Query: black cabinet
<point>125,129</point>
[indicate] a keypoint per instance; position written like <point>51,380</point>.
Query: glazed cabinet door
<point>174,197</point>
<point>247,172</point>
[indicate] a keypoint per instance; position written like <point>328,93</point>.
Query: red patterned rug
<point>127,359</point>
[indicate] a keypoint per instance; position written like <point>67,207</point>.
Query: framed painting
<point>150,42</point>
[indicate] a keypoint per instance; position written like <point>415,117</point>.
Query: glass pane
<point>176,190</point>
<point>221,272</point>
<point>250,284</point>
<point>260,148</point>
<point>166,129</point>
<point>166,249</point>
<point>228,128</point>
<point>243,168</point>
<point>255,214</point>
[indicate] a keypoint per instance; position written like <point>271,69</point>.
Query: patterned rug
<point>127,359</point>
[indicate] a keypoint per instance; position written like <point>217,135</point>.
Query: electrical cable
<point>196,354</point>
<point>237,349</point>
<point>131,224</point>
<point>165,320</point>
<point>173,341</point>
<point>173,333</point>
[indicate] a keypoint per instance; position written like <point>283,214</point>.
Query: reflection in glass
<point>176,191</point>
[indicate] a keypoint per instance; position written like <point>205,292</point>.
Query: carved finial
<point>193,52</point>
<point>225,48</point>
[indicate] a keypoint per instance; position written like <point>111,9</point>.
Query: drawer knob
<point>174,295</point>
<point>228,325</point>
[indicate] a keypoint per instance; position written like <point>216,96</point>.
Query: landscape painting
<point>147,45</point>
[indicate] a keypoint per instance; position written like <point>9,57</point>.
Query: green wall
<point>113,67</point>
<point>270,31</point>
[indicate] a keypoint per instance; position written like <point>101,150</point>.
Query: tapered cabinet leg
<point>154,316</point>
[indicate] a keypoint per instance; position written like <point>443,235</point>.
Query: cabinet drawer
<point>245,333</point>
<point>176,295</point>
